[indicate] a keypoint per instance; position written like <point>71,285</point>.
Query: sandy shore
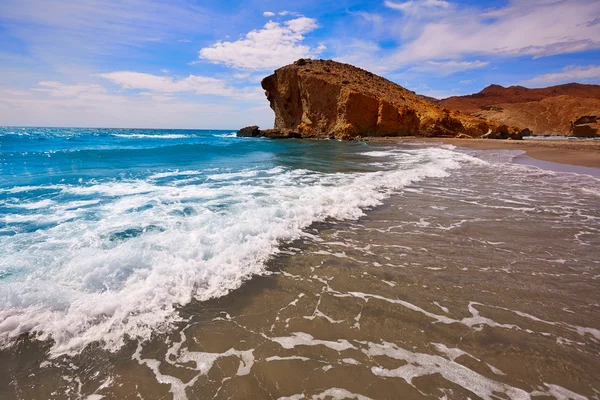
<point>582,153</point>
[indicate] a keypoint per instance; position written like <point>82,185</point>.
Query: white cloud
<point>200,85</point>
<point>286,13</point>
<point>523,28</point>
<point>414,6</point>
<point>184,41</point>
<point>436,93</point>
<point>168,84</point>
<point>60,32</point>
<point>448,67</point>
<point>369,17</point>
<point>431,31</point>
<point>571,73</point>
<point>466,81</point>
<point>58,89</point>
<point>249,78</point>
<point>302,25</point>
<point>271,47</point>
<point>268,14</point>
<point>361,53</point>
<point>54,103</point>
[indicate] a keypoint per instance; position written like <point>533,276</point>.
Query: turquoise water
<point>105,233</point>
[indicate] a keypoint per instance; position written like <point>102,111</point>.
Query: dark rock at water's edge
<point>586,126</point>
<point>254,131</point>
<point>505,132</point>
<point>249,131</point>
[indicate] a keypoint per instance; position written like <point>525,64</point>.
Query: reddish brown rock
<point>586,126</point>
<point>545,111</point>
<point>324,99</point>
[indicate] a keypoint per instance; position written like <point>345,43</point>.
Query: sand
<point>480,284</point>
<point>581,153</point>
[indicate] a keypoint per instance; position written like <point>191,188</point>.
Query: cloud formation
<point>58,89</point>
<point>448,67</point>
<point>523,28</point>
<point>168,84</point>
<point>572,73</point>
<point>111,110</point>
<point>414,6</point>
<point>271,47</point>
<point>63,31</point>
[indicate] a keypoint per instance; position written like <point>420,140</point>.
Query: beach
<point>585,153</point>
<point>423,270</point>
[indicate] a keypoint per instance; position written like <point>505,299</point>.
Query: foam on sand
<point>123,266</point>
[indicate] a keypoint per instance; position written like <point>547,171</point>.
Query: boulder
<point>254,131</point>
<point>504,132</point>
<point>249,131</point>
<point>586,126</point>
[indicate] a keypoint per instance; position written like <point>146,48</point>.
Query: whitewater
<point>106,233</point>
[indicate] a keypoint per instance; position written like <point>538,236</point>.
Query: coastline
<point>445,275</point>
<point>579,153</point>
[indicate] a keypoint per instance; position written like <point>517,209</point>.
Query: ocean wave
<point>121,268</point>
<point>146,136</point>
<point>226,135</point>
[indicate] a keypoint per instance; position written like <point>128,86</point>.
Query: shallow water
<point>468,277</point>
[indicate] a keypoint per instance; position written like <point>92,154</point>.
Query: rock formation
<point>546,111</point>
<point>586,126</point>
<point>327,99</point>
<point>254,131</point>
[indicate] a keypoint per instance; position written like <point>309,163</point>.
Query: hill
<point>327,99</point>
<point>550,110</point>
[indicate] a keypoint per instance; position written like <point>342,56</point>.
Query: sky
<point>198,64</point>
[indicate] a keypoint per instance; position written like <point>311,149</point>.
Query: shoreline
<point>446,276</point>
<point>576,153</point>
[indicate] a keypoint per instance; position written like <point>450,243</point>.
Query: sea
<point>192,264</point>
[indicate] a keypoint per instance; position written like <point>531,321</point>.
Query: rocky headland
<point>323,99</point>
<point>555,110</point>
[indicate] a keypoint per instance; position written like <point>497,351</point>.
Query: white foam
<point>226,135</point>
<point>418,364</point>
<point>339,394</point>
<point>559,393</point>
<point>203,363</point>
<point>278,358</point>
<point>34,205</point>
<point>149,248</point>
<point>304,339</point>
<point>292,397</point>
<point>145,136</point>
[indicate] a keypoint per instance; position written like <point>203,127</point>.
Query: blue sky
<point>198,64</point>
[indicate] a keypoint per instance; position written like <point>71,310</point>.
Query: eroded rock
<point>254,131</point>
<point>585,126</point>
<point>325,99</point>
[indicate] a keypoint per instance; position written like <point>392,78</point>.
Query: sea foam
<point>121,263</point>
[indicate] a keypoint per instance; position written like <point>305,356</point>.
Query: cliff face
<point>548,110</point>
<point>323,99</point>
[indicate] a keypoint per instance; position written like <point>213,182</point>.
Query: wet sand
<point>582,153</point>
<point>483,285</point>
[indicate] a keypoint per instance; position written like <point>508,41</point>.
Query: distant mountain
<point>548,110</point>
